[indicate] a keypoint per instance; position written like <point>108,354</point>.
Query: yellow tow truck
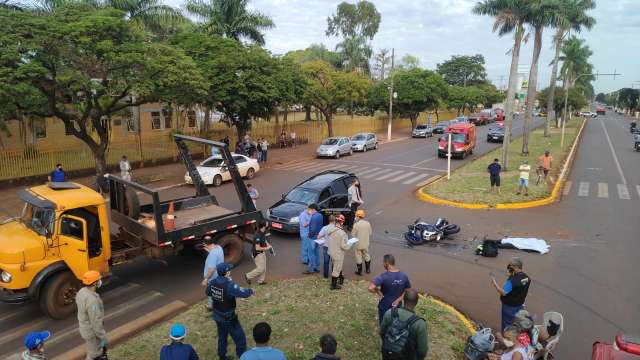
<point>66,229</point>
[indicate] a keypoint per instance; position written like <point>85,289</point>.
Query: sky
<point>434,30</point>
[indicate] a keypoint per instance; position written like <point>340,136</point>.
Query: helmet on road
<point>340,218</point>
<point>90,277</point>
<point>360,213</point>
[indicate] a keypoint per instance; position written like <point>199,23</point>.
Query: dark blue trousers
<point>325,262</point>
<point>233,328</point>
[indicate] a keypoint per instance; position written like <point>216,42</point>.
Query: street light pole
<point>390,98</point>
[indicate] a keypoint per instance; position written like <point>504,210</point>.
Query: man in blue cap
<point>34,342</point>
<point>178,350</point>
<point>223,292</point>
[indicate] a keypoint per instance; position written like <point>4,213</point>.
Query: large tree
<point>231,19</point>
<point>328,89</point>
<point>356,24</point>
<point>461,98</point>
<point>151,14</point>
<point>82,66</point>
<point>628,99</point>
<point>576,100</point>
<point>571,15</point>
<point>541,14</point>
<point>463,70</point>
<point>381,63</point>
<point>417,89</point>
<point>510,17</point>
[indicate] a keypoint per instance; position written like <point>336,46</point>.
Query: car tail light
<point>628,344</point>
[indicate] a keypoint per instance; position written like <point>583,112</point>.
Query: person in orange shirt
<point>545,162</point>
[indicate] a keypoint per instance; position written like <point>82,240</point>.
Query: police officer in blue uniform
<point>223,292</point>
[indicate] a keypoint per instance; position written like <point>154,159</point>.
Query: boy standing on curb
<point>524,169</point>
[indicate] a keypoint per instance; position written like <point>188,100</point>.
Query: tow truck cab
<point>463,140</point>
<point>65,230</point>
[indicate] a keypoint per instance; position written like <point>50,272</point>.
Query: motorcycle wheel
<point>451,229</point>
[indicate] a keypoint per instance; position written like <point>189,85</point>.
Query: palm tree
<point>541,14</point>
<point>570,16</point>
<point>231,19</point>
<point>575,62</point>
<point>151,14</point>
<point>510,16</point>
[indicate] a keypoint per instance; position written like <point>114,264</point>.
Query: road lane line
<point>415,178</point>
<point>386,176</point>
<point>603,190</point>
<point>310,166</point>
<point>22,329</point>
<point>323,168</point>
<point>425,161</point>
<point>376,173</point>
<point>396,165</point>
<point>623,192</point>
<point>367,171</point>
<point>613,152</point>
<point>129,305</point>
<point>567,188</point>
<point>638,189</point>
<point>398,178</point>
<point>357,169</point>
<point>583,189</point>
<point>291,164</point>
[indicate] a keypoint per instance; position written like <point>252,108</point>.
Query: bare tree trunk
<point>307,113</point>
<point>285,115</point>
<point>511,93</point>
<point>551,105</point>
<point>329,118</point>
<point>207,119</point>
<point>531,90</point>
<point>277,111</point>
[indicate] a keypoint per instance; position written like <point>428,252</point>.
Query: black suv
<point>495,134</point>
<point>328,189</point>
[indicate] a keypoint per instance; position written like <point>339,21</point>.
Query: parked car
<point>364,141</point>
<point>335,147</point>
<point>422,131</point>
<point>588,114</point>
<point>625,347</point>
<point>479,118</point>
<point>327,189</point>
<point>491,115</point>
<point>440,128</point>
<point>214,172</point>
<point>496,134</point>
<point>463,141</point>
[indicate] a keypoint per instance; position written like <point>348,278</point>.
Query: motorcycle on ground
<point>421,232</point>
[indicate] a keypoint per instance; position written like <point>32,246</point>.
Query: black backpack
<point>488,248</point>
<point>396,342</point>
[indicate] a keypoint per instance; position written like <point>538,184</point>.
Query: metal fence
<point>15,164</point>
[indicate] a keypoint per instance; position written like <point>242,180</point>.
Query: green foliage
<point>231,19</point>
<point>316,52</point>
<point>151,14</point>
<point>463,70</point>
<point>575,100</point>
<point>601,98</point>
<point>410,62</point>
<point>628,98</point>
<point>360,20</point>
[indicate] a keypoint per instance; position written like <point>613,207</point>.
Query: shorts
<point>524,182</point>
<point>495,180</point>
<point>545,171</point>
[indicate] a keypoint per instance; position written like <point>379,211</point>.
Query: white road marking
<point>415,178</point>
<point>567,188</point>
<point>367,171</point>
<point>425,161</point>
<point>386,176</point>
<point>376,173</point>
<point>291,165</point>
<point>613,152</point>
<point>396,165</point>
<point>623,192</point>
<point>583,189</point>
<point>405,175</point>
<point>310,166</point>
<point>379,212</point>
<point>603,190</point>
<point>322,168</point>
<point>638,189</point>
<point>356,169</point>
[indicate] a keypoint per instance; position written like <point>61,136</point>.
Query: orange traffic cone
<point>170,220</point>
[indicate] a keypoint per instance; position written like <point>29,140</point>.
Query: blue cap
<point>35,338</point>
<point>223,268</point>
<point>178,331</point>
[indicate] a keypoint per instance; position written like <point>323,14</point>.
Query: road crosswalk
<point>602,190</point>
<point>402,175</point>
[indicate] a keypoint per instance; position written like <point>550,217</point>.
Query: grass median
<point>470,183</point>
<point>299,312</point>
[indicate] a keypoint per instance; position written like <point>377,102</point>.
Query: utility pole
<point>391,96</point>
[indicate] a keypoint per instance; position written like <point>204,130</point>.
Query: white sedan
<point>213,172</point>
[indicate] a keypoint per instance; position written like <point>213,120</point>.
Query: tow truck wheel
<point>232,245</point>
<point>58,296</point>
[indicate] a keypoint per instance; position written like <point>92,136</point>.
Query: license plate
<point>495,137</point>
<point>276,225</point>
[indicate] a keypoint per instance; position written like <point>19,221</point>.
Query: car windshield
<point>421,127</point>
<point>38,219</point>
<point>359,137</point>
<point>442,125</point>
<point>330,141</point>
<point>458,138</point>
<point>302,196</point>
<point>216,162</point>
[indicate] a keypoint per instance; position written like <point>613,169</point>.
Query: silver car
<point>335,147</point>
<point>364,141</point>
<point>422,131</point>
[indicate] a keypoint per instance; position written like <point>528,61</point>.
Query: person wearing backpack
<point>404,334</point>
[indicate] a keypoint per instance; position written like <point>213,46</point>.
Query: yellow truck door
<point>72,238</point>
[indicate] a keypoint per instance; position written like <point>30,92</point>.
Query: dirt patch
<point>299,312</point>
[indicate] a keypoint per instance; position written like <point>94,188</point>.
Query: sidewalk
<point>171,174</point>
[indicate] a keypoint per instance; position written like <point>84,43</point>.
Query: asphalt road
<point>587,272</point>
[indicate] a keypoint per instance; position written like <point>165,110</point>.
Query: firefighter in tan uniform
<point>337,247</point>
<point>362,231</point>
<point>91,316</point>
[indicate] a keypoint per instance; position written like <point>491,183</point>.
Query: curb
<point>452,310</point>
<point>555,193</point>
<point>128,330</point>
